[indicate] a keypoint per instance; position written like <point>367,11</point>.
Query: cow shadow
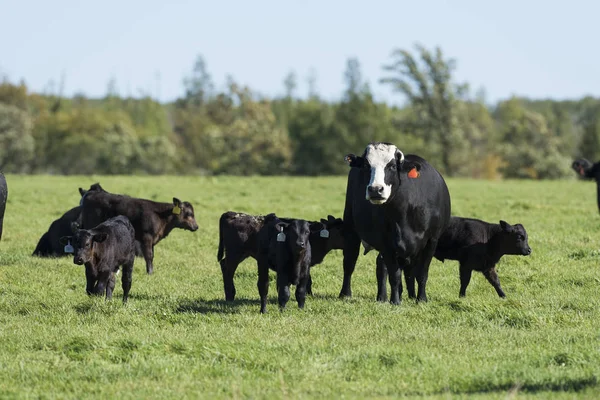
<point>202,306</point>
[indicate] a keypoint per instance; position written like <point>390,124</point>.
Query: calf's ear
<point>65,239</point>
<point>81,191</point>
<point>176,201</point>
<point>100,237</point>
<point>506,226</point>
<point>354,161</point>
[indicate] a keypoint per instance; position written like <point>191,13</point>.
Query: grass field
<point>177,338</point>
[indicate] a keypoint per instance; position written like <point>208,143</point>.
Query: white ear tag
<point>324,233</point>
<point>69,248</point>
<point>281,236</point>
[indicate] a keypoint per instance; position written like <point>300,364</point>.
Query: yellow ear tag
<point>176,210</point>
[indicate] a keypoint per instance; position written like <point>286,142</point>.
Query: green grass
<point>176,338</point>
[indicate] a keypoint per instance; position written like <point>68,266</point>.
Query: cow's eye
<point>393,167</point>
<point>520,237</point>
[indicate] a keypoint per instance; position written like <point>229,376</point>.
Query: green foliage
<point>177,338</point>
<point>16,141</point>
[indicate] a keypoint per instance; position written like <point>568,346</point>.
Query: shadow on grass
<point>560,385</point>
<point>202,306</point>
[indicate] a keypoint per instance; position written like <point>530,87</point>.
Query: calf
<point>152,220</point>
<point>285,248</point>
<point>238,240</point>
<point>102,250</point>
<point>478,246</point>
<point>587,170</point>
<point>3,198</point>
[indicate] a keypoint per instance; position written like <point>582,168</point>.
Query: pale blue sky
<point>534,48</point>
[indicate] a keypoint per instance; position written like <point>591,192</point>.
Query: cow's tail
<point>221,247</point>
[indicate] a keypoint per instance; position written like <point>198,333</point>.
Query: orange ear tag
<point>413,173</point>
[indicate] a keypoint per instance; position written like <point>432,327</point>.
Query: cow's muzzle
<point>78,260</point>
<point>375,194</point>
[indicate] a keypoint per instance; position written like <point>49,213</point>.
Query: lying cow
<point>152,220</point>
<point>103,250</point>
<point>238,240</point>
<point>478,246</point>
<point>285,248</point>
<point>587,170</point>
<point>3,198</point>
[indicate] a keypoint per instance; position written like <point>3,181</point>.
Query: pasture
<point>177,338</point>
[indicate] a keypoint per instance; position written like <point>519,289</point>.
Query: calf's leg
<point>110,285</point>
<point>301,291</point>
<point>492,277</point>
<point>465,278</point>
<point>228,267</point>
<point>351,250</point>
<point>126,279</point>
<point>148,251</point>
<point>263,285</point>
<point>283,289</point>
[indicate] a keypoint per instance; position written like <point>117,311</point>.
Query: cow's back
<point>240,232</point>
<point>120,244</point>
<point>462,236</point>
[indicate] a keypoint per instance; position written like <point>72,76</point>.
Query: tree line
<point>236,131</point>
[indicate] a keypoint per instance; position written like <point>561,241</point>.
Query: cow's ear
<point>74,226</point>
<point>100,237</point>
<point>65,239</point>
<point>81,191</point>
<point>279,226</point>
<point>176,201</point>
<point>399,157</point>
<point>506,226</point>
<point>323,221</point>
<point>354,161</point>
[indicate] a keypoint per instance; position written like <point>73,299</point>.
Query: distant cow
<point>49,244</point>
<point>285,248</point>
<point>585,169</point>
<point>3,198</point>
<point>238,240</point>
<point>478,246</point>
<point>399,205</point>
<point>103,250</point>
<point>152,220</point>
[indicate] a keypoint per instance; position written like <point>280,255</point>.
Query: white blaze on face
<point>379,155</point>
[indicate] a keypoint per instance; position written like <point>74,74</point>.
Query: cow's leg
<point>263,285</point>
<point>394,276</point>
<point>492,277</point>
<point>351,250</point>
<point>283,289</point>
<point>308,285</point>
<point>127,278</point>
<point>301,290</point>
<point>228,267</point>
<point>101,285</point>
<point>110,285</point>
<point>422,270</point>
<point>90,286</point>
<point>465,278</point>
<point>381,271</point>
<point>148,251</point>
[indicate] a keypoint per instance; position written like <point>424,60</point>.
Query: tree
<point>16,141</point>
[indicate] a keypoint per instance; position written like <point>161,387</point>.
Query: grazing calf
<point>102,250</point>
<point>285,248</point>
<point>587,170</point>
<point>3,198</point>
<point>478,246</point>
<point>151,220</point>
<point>238,240</point>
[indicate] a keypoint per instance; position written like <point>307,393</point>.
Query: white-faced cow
<point>399,205</point>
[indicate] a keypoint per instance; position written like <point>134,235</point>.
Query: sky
<point>533,48</point>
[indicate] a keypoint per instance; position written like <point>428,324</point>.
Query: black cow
<point>478,246</point>
<point>103,250</point>
<point>398,205</point>
<point>285,248</point>
<point>49,244</point>
<point>3,198</point>
<point>238,240</point>
<point>152,220</point>
<point>585,169</point>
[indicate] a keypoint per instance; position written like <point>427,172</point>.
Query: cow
<point>49,244</point>
<point>3,199</point>
<point>103,250</point>
<point>585,169</point>
<point>285,248</point>
<point>152,221</point>
<point>478,246</point>
<point>399,205</point>
<point>238,240</point>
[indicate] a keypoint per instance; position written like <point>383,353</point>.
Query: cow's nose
<point>375,190</point>
<point>301,244</point>
<point>528,251</point>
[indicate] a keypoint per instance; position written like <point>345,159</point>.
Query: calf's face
<point>381,162</point>
<point>184,213</point>
<point>297,234</point>
<point>581,165</point>
<point>514,239</point>
<point>83,243</point>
